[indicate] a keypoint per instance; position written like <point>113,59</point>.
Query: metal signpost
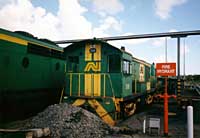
<point>165,70</point>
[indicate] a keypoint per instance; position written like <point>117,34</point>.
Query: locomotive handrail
<point>71,74</point>
<point>111,86</point>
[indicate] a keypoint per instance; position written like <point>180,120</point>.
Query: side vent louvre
<point>44,51</point>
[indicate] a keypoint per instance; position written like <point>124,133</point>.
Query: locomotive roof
<point>104,42</point>
<point>21,35</point>
<point>142,61</point>
<point>99,41</point>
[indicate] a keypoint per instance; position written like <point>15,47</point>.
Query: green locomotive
<point>107,80</point>
<point>31,72</point>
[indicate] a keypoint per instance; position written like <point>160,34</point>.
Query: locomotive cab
<point>97,69</point>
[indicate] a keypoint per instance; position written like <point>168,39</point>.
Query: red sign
<point>166,69</point>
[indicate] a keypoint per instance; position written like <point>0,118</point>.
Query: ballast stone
<point>67,121</point>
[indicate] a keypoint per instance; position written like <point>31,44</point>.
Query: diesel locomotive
<point>107,80</point>
<point>31,74</point>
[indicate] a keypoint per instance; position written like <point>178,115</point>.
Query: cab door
<point>127,78</point>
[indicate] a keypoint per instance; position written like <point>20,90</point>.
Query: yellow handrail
<point>104,85</point>
<point>111,86</point>
<point>79,86</point>
<point>70,84</point>
<point>61,96</point>
<point>79,82</point>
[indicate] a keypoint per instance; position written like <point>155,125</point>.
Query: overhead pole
<point>141,36</point>
<point>184,59</point>
<point>166,49</point>
<point>178,56</point>
<point>178,71</point>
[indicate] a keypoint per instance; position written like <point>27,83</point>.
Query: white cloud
<point>107,24</point>
<point>159,41</point>
<point>159,59</point>
<point>164,7</point>
<point>102,14</point>
<point>21,15</point>
<point>72,22</point>
<point>109,6</point>
<point>4,2</point>
<point>185,49</point>
<point>173,30</point>
<point>162,58</point>
<point>68,23</point>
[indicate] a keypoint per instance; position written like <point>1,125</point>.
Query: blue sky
<point>75,19</point>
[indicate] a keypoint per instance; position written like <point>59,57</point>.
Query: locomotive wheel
<point>130,108</point>
<point>149,99</point>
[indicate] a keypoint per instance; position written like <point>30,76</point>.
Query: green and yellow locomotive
<point>31,74</point>
<point>107,80</point>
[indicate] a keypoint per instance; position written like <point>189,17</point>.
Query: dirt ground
<point>177,123</point>
<point>133,126</point>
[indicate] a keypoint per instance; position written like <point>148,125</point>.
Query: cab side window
<point>73,64</point>
<point>127,67</point>
<point>114,63</point>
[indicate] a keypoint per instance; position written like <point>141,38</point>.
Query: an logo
<point>93,66</point>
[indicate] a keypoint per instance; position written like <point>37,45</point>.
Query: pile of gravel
<point>67,121</point>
